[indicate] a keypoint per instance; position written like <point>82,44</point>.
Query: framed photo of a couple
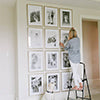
<point>35,15</point>
<point>65,18</point>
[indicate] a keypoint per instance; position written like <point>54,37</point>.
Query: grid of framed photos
<point>47,61</point>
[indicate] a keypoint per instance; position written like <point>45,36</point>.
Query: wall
<point>7,52</point>
<point>22,45</point>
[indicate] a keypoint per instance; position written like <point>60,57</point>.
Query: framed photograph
<point>36,84</point>
<point>52,38</point>
<point>51,16</point>
<point>34,15</point>
<point>64,36</point>
<point>52,60</point>
<point>65,18</point>
<point>35,38</point>
<point>65,61</point>
<point>66,80</point>
<point>53,78</point>
<point>35,61</point>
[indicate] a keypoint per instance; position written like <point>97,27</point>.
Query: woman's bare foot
<point>81,86</point>
<point>75,88</point>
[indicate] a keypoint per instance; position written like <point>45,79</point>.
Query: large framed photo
<point>65,61</point>
<point>66,80</point>
<point>35,38</point>
<point>64,36</point>
<point>52,60</point>
<point>54,79</point>
<point>35,61</point>
<point>52,38</point>
<point>51,16</point>
<point>36,84</point>
<point>65,18</point>
<point>34,15</point>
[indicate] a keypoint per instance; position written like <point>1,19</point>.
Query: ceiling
<point>93,4</point>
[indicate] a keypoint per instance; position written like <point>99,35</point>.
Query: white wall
<point>7,52</point>
<point>22,44</point>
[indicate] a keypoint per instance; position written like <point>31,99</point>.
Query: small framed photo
<point>65,61</point>
<point>35,61</point>
<point>53,78</point>
<point>65,18</point>
<point>34,15</point>
<point>52,38</point>
<point>64,36</point>
<point>51,16</point>
<point>52,60</point>
<point>36,84</point>
<point>66,80</point>
<point>35,38</point>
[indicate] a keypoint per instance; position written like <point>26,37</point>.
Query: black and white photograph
<point>52,60</point>
<point>64,36</point>
<point>36,84</point>
<point>65,63</point>
<point>66,18</point>
<point>66,80</point>
<point>51,16</point>
<point>53,78</point>
<point>34,15</point>
<point>52,38</point>
<point>35,61</point>
<point>35,38</point>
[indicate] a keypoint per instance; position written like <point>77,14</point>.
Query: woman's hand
<point>61,44</point>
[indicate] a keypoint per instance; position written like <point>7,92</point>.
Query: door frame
<point>92,18</point>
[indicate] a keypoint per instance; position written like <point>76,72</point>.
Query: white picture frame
<point>53,78</point>
<point>35,15</point>
<point>66,80</point>
<point>35,61</point>
<point>52,60</point>
<point>35,38</point>
<point>51,16</point>
<point>36,84</point>
<point>64,36</point>
<point>52,38</point>
<point>65,18</point>
<point>65,63</point>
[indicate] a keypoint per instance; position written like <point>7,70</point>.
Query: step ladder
<point>83,81</point>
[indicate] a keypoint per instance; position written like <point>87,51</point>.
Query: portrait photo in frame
<point>35,61</point>
<point>65,18</point>
<point>52,38</point>
<point>34,15</point>
<point>51,16</point>
<point>65,63</point>
<point>54,79</point>
<point>66,80</point>
<point>35,38</point>
<point>36,84</point>
<point>52,60</point>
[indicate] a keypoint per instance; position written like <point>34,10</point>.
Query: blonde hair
<point>72,33</point>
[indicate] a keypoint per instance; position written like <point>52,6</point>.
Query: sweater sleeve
<point>67,46</point>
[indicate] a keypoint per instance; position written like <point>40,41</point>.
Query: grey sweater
<point>73,47</point>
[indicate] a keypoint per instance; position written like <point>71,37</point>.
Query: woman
<point>73,47</point>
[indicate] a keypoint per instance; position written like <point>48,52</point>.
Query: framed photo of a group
<point>35,61</point>
<point>53,78</point>
<point>52,38</point>
<point>65,18</point>
<point>51,16</point>
<point>64,60</point>
<point>36,84</point>
<point>35,15</point>
<point>35,38</point>
<point>52,60</point>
